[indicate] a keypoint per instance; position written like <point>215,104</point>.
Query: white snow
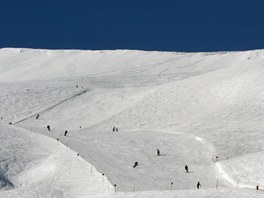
<point>38,166</point>
<point>191,106</point>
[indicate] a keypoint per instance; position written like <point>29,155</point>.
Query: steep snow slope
<point>224,107</point>
<point>192,106</point>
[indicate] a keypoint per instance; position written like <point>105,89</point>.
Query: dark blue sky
<point>164,25</point>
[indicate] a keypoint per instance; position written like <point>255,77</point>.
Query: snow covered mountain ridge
<point>191,106</point>
<point>29,64</point>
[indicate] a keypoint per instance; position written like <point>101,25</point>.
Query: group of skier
<point>186,169</point>
<point>115,129</point>
<point>65,132</point>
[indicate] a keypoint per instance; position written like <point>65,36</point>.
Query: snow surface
<point>191,106</point>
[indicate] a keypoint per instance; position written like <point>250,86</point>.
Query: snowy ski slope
<point>191,106</point>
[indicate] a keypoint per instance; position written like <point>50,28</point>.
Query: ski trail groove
<point>53,106</point>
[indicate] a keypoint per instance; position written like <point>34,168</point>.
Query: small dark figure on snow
<point>65,133</point>
<point>37,117</point>
<point>186,169</point>
<point>77,86</point>
<point>198,185</point>
<point>10,123</point>
<point>158,152</point>
<point>114,129</point>
<point>135,164</point>
<point>48,127</point>
<point>216,158</point>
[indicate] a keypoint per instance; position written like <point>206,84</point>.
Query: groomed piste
<point>203,110</point>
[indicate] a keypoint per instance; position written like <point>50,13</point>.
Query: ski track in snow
<point>51,107</point>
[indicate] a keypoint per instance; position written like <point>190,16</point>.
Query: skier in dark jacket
<point>65,133</point>
<point>135,164</point>
<point>37,117</point>
<point>48,127</point>
<point>158,152</point>
<point>198,185</point>
<point>186,169</point>
<point>114,129</point>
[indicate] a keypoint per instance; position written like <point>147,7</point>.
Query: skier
<point>198,185</point>
<point>114,129</point>
<point>65,133</point>
<point>135,164</point>
<point>48,127</point>
<point>37,116</point>
<point>186,169</point>
<point>158,152</point>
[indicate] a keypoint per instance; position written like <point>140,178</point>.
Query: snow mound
<point>38,166</point>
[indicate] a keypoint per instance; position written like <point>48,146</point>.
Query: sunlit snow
<point>204,110</point>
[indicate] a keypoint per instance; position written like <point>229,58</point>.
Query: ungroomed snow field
<point>204,110</point>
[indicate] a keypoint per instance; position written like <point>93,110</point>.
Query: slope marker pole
<point>103,177</point>
<point>115,188</point>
